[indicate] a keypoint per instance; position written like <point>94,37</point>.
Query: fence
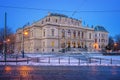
<point>73,61</point>
<point>58,61</point>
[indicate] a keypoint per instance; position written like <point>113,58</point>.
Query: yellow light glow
<point>95,45</point>
<point>23,71</point>
<point>8,40</point>
<point>25,33</point>
<point>115,44</point>
<point>8,69</point>
<point>52,44</point>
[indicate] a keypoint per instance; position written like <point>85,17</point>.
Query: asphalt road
<point>59,73</point>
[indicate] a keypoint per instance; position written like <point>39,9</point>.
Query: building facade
<point>54,33</point>
<point>101,38</point>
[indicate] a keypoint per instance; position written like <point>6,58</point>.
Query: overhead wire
<point>78,11</point>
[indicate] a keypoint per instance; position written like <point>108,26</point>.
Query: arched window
<point>68,44</point>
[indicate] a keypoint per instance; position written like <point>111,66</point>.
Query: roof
<point>100,28</point>
<point>56,14</point>
<point>61,15</point>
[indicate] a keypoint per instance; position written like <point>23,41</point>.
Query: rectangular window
<point>44,32</point>
<point>52,44</point>
<point>95,40</point>
<point>95,35</point>
<point>43,44</point>
<point>89,35</point>
<point>52,31</point>
<point>82,35</point>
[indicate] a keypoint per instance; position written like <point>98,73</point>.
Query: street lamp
<point>8,45</point>
<point>23,34</point>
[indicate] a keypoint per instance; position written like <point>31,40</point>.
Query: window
<point>63,33</point>
<point>95,35</point>
<point>89,35</point>
<point>43,44</point>
<point>52,50</point>
<point>74,34</point>
<point>42,22</point>
<point>78,33</point>
<point>49,19</point>
<point>95,40</point>
<point>32,33</point>
<point>99,40</point>
<point>44,32</point>
<point>56,20</point>
<point>82,35</point>
<point>52,31</point>
<point>52,44</point>
<point>69,33</point>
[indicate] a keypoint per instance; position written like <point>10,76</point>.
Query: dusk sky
<point>92,12</point>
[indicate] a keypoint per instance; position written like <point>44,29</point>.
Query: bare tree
<point>117,44</point>
<point>110,45</point>
<point>9,37</point>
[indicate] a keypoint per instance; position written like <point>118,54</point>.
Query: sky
<point>92,12</point>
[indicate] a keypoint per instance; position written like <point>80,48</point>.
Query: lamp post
<point>23,33</point>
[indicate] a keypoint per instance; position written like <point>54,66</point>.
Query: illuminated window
<point>52,44</point>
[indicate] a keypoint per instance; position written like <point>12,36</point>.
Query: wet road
<point>59,73</point>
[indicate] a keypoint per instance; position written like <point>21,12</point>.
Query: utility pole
<point>4,42</point>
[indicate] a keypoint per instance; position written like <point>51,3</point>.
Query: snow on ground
<point>67,60</point>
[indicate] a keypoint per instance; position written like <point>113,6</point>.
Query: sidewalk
<point>14,59</point>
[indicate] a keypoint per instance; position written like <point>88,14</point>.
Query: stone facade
<point>54,33</point>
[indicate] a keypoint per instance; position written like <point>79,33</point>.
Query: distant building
<point>101,37</point>
<point>57,32</point>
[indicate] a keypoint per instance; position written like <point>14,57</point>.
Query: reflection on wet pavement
<point>59,73</point>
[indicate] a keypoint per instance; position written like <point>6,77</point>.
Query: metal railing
<point>59,61</point>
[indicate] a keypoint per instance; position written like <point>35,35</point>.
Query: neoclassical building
<point>57,32</point>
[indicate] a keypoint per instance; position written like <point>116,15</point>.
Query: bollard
<point>100,60</point>
<point>79,61</point>
<point>16,60</point>
<point>59,60</point>
<point>69,60</point>
<point>111,61</point>
<point>90,60</point>
<point>37,59</point>
<point>49,60</point>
